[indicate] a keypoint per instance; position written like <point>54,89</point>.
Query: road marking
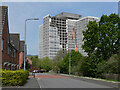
<point>39,84</point>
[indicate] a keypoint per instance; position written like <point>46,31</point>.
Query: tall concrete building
<point>40,41</point>
<point>119,8</point>
<point>79,25</point>
<point>57,33</point>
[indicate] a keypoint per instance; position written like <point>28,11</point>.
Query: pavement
<point>31,83</point>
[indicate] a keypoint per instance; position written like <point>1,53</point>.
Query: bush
<point>14,78</point>
<point>89,66</point>
<point>46,64</point>
<point>110,66</point>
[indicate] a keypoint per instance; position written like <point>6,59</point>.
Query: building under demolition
<point>56,33</point>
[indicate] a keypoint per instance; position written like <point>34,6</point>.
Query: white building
<point>57,33</point>
<point>40,41</point>
<point>82,26</point>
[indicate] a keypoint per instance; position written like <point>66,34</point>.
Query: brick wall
<point>21,59</point>
<point>0,49</point>
<point>5,36</point>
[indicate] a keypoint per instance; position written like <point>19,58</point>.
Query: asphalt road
<point>57,81</point>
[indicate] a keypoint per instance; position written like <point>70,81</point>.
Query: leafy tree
<point>46,64</point>
<point>35,61</point>
<point>102,38</point>
<point>91,37</point>
<point>57,60</point>
<point>75,58</point>
<point>108,36</point>
<point>27,65</point>
<point>110,66</point>
<point>89,66</point>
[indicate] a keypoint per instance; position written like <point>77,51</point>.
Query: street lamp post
<point>69,61</point>
<point>25,38</point>
<point>69,51</point>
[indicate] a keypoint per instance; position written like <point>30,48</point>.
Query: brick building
<point>4,33</point>
<point>21,54</point>
<point>10,49</point>
<point>14,50</point>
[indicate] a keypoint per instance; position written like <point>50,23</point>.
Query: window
<point>8,49</point>
<point>2,45</point>
<point>14,52</point>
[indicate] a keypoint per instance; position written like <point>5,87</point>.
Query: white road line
<point>39,83</point>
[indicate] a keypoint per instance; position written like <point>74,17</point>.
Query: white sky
<point>60,0</point>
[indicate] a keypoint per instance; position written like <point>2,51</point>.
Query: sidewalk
<point>31,83</point>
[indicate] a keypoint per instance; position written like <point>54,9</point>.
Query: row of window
<point>10,50</point>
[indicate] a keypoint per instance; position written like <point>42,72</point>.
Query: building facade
<point>14,50</point>
<point>21,54</point>
<point>5,39</point>
<point>9,43</point>
<point>40,41</point>
<point>119,8</point>
<point>57,33</point>
<point>82,26</point>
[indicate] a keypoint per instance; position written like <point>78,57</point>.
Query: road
<point>56,81</point>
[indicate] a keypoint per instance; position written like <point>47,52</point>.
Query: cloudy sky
<point>19,11</point>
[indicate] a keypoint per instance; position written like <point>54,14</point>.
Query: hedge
<point>14,78</point>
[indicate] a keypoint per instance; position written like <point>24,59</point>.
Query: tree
<point>75,58</point>
<point>35,61</point>
<point>27,65</point>
<point>46,64</point>
<point>108,36</point>
<point>102,38</point>
<point>101,41</point>
<point>110,66</point>
<point>57,60</point>
<point>91,37</point>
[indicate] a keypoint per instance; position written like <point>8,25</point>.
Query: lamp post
<point>69,51</point>
<point>69,61</point>
<point>25,38</point>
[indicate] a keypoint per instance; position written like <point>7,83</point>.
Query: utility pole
<point>25,38</point>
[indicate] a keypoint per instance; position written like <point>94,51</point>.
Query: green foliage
<point>101,41</point>
<point>103,38</point>
<point>108,41</point>
<point>75,57</point>
<point>89,66</point>
<point>27,65</point>
<point>91,37</point>
<point>56,62</point>
<point>14,78</point>
<point>110,66</point>
<point>64,65</point>
<point>35,61</point>
<point>45,63</point>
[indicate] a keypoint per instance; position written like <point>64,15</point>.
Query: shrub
<point>89,66</point>
<point>14,78</point>
<point>110,66</point>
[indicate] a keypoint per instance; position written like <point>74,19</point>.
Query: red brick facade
<point>21,59</point>
<point>10,54</point>
<point>0,49</point>
<point>5,38</point>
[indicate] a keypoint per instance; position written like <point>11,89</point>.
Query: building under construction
<point>56,33</point>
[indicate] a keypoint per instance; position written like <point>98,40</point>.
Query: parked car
<point>35,71</point>
<point>42,70</point>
